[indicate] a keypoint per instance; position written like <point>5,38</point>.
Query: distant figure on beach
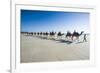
<point>84,40</point>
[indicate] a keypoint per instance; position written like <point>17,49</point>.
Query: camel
<point>52,35</point>
<point>68,35</point>
<point>41,33</point>
<point>46,33</point>
<point>34,33</point>
<point>28,33</point>
<point>38,33</point>
<point>73,35</point>
<point>60,35</point>
<point>76,34</point>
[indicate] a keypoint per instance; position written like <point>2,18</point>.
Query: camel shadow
<point>60,41</point>
<point>42,37</point>
<point>65,41</point>
<point>79,42</point>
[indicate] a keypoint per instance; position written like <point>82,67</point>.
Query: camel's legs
<point>69,38</point>
<point>72,38</point>
<point>77,38</point>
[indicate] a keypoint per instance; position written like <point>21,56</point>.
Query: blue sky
<point>37,21</point>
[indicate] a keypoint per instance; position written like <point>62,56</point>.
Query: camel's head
<point>82,32</point>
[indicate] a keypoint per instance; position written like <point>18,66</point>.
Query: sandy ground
<point>35,49</point>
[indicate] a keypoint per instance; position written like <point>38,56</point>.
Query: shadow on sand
<point>60,40</point>
<point>65,41</point>
<point>79,42</point>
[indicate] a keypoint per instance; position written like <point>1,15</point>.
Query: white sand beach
<point>35,49</point>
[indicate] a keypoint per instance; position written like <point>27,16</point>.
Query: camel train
<point>54,35</point>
